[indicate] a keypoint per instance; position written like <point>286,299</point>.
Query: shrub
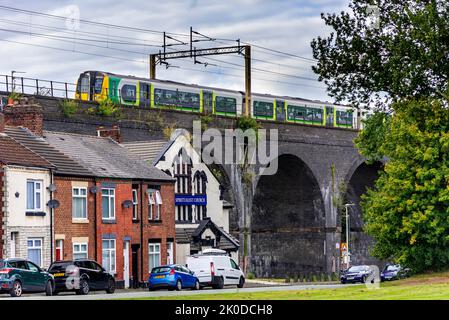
<point>246,123</point>
<point>250,275</point>
<point>107,108</point>
<point>68,107</point>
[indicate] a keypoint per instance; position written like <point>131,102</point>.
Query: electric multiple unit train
<point>151,93</point>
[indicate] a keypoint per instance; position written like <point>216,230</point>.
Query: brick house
<point>25,214</point>
<point>113,208</point>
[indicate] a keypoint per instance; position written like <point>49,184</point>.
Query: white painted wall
<point>15,219</point>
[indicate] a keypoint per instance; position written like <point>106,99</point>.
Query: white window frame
<point>151,202</point>
<point>154,253</point>
<point>79,196</point>
<point>111,201</point>
<point>109,250</point>
<point>158,204</point>
<point>33,247</point>
<point>35,192</point>
<point>135,204</point>
<point>80,244</point>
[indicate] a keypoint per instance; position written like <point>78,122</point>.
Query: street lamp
<point>13,85</point>
<point>347,231</point>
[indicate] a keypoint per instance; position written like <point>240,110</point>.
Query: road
<point>130,294</point>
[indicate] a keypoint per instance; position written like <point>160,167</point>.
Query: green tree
<point>404,53</point>
<point>407,211</point>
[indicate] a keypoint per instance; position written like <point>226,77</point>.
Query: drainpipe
<point>51,219</point>
<point>142,197</point>
<point>95,222</point>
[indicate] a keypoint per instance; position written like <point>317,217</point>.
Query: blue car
<point>394,272</point>
<point>172,277</point>
<point>356,274</point>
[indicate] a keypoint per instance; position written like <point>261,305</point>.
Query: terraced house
<point>25,215</point>
<point>113,207</point>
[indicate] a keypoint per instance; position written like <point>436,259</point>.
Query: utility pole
<point>162,57</point>
<point>347,233</point>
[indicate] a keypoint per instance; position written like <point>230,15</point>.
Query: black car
<point>356,274</point>
<point>19,275</point>
<point>394,272</point>
<point>81,276</point>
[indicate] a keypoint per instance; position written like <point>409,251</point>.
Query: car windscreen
<point>356,269</point>
<point>59,266</point>
<point>392,268</point>
<point>161,270</point>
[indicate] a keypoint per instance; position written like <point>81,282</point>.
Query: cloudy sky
<point>48,47</point>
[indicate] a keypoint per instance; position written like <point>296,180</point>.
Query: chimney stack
<point>27,113</point>
<point>113,133</point>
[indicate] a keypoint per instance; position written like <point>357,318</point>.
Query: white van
<point>216,269</point>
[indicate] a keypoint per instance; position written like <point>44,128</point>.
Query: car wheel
<point>220,283</point>
<point>84,287</point>
<point>17,289</point>
<point>178,285</point>
<point>241,282</point>
<point>196,286</point>
<point>49,288</point>
<point>363,279</point>
<point>342,281</point>
<point>111,286</point>
<point>151,289</point>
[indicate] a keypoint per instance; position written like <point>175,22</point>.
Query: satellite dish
<point>127,204</point>
<point>53,204</point>
<point>94,189</point>
<point>52,187</point>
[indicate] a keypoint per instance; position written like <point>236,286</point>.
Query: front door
<point>126,263</point>
<point>135,268</point>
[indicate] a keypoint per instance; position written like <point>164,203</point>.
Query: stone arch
<point>288,222</point>
<point>361,177</point>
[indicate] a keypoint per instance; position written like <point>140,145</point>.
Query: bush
<point>68,107</point>
<point>250,275</point>
<point>246,123</point>
<point>107,108</point>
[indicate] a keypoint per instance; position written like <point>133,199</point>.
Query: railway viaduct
<point>288,223</point>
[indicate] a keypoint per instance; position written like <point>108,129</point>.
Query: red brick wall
<point>25,115</point>
<point>2,122</point>
<point>63,217</point>
<point>1,210</point>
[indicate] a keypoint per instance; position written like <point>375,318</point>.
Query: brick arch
<point>288,221</point>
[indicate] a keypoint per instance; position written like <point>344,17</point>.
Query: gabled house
<point>202,214</point>
<point>25,202</point>
<point>104,209</point>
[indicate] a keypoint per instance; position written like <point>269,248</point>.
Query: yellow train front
<point>146,93</point>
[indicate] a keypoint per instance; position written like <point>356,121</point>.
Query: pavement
<point>143,293</point>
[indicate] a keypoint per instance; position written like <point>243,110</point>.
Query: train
<point>151,93</point>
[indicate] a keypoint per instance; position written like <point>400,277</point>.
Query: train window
<point>85,84</point>
<point>225,104</point>
<point>98,85</point>
<point>129,92</point>
<point>174,98</point>
<point>263,109</point>
<point>344,118</point>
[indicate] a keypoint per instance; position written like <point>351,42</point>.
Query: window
<point>158,204</point>
<point>145,93</point>
<point>176,98</point>
<point>79,203</point>
<point>263,109</point>
<point>85,84</point>
<point>59,249</point>
<point>135,204</point>
<point>34,195</point>
<point>35,250</point>
<point>32,267</point>
<point>98,85</point>
<point>79,251</point>
<point>225,105</point>
<point>344,118</point>
<point>108,203</point>
<point>109,255</point>
<point>234,265</point>
<point>150,203</point>
<point>154,254</point>
<point>129,93</point>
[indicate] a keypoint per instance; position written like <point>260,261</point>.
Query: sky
<point>61,48</point>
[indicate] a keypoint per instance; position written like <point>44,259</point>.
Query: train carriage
<point>151,93</point>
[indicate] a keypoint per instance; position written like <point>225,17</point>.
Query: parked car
<point>394,272</point>
<point>216,269</point>
<point>81,276</point>
<point>356,274</point>
<point>172,277</point>
<point>18,276</point>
